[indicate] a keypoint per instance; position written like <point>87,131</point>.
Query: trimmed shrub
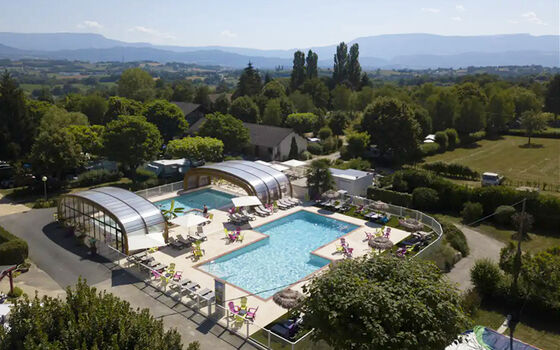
<point>143,175</point>
<point>315,148</point>
<point>455,237</point>
<point>428,149</point>
<point>443,256</point>
<point>471,211</point>
<point>486,277</point>
<point>13,250</point>
<point>425,198</point>
<point>41,203</point>
<point>442,140</point>
<point>305,155</point>
<point>94,177</point>
<point>503,214</point>
<point>452,170</point>
<point>452,138</point>
<point>325,132</point>
<point>397,198</point>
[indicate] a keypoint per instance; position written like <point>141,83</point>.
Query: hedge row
<point>452,170</point>
<point>455,237</point>
<point>393,197</point>
<point>551,134</point>
<point>452,197</point>
<point>94,177</point>
<point>13,250</point>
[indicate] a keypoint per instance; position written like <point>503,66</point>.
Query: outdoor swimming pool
<point>267,266</point>
<point>195,200</point>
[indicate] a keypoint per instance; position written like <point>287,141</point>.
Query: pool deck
<point>218,245</point>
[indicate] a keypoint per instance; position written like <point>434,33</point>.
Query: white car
<point>491,179</point>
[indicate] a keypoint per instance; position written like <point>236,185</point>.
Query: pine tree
<point>311,68</point>
<point>294,152</point>
<point>340,72</point>
<point>249,84</point>
<point>354,69</point>
<point>298,71</point>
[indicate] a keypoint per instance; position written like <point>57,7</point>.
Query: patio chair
<point>348,252</point>
<point>369,236</point>
<point>200,233</point>
<point>247,215</point>
<point>177,276</point>
<point>282,205</point>
<point>266,210</point>
<point>233,309</point>
<point>156,275</point>
<point>174,243</point>
<point>259,212</point>
<point>251,313</point>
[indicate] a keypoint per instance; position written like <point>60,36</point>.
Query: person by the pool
<point>205,210</point>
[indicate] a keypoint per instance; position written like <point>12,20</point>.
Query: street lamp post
<point>45,186</point>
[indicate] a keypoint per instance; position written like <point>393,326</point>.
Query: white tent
<point>143,241</point>
<point>246,201</point>
<point>294,163</point>
<point>189,220</point>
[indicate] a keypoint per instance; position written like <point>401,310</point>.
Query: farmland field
<point>508,156</point>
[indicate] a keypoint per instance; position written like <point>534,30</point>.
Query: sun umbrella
<point>380,243</point>
<point>287,298</point>
<point>379,205</point>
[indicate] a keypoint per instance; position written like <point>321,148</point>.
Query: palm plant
<point>172,212</point>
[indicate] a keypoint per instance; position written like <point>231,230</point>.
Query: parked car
<point>491,179</point>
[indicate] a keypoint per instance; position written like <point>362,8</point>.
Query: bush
<point>325,132</point>
<point>503,214</point>
<point>425,198</point>
<point>477,136</point>
<point>428,149</point>
<point>452,138</point>
<point>329,145</point>
<point>41,203</point>
<point>443,256</point>
<point>143,175</point>
<point>13,250</point>
<point>397,198</point>
<point>95,177</point>
<point>18,292</point>
<point>486,277</point>
<point>452,170</point>
<point>305,155</point>
<point>442,141</point>
<point>455,237</point>
<point>471,302</point>
<point>471,211</point>
<point>315,148</point>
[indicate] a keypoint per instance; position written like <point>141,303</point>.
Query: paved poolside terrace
<point>218,245</point>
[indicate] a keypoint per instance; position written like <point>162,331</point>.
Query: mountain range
<point>415,51</point>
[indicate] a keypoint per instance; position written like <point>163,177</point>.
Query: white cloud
<point>90,25</point>
<point>460,8</point>
<point>228,34</point>
<point>430,10</point>
<point>533,18</point>
<point>457,18</point>
<point>152,32</point>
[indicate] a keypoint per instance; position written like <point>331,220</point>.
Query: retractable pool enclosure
<point>265,182</point>
<point>114,216</point>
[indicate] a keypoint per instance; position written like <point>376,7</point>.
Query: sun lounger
<point>259,212</point>
<point>262,208</point>
<point>247,215</point>
<point>282,206</point>
<point>200,233</point>
<point>175,244</point>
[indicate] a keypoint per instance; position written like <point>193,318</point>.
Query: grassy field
<point>510,157</point>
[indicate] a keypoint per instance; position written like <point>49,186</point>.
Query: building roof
<point>350,174</point>
<point>164,162</point>
<point>186,107</point>
<point>193,129</point>
<point>267,135</point>
<point>135,213</point>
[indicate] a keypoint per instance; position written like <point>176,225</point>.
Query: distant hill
<point>381,51</point>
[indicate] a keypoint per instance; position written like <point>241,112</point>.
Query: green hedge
<point>550,134</point>
<point>94,177</point>
<point>455,237</point>
<point>544,208</point>
<point>452,170</point>
<point>13,250</point>
<point>393,197</point>
<point>428,149</point>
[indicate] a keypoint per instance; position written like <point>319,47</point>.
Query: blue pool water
<point>212,198</point>
<point>267,266</point>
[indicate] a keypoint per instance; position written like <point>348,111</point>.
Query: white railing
<point>159,190</point>
<point>407,212</point>
<point>237,324</point>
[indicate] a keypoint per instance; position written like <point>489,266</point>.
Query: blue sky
<point>281,24</point>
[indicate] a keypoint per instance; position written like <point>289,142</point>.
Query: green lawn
<point>545,336</point>
<point>509,157</point>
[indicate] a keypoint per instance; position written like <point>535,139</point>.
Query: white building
<point>355,182</point>
<point>168,167</point>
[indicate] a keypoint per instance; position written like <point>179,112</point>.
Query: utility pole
<point>516,270</point>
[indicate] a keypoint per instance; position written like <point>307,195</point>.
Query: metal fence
<point>159,190</point>
<point>247,329</point>
<point>407,212</point>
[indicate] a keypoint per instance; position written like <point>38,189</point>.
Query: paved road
<point>481,246</point>
<point>60,258</point>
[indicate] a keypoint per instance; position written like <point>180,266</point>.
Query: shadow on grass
<point>531,145</point>
<point>529,317</point>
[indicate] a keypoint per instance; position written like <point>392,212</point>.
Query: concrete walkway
<point>481,246</point>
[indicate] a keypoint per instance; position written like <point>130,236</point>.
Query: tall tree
<point>294,152</point>
<point>319,177</point>
<point>273,113</point>
<point>137,84</point>
<point>341,96</point>
<point>311,69</point>
<point>249,83</point>
<point>183,91</point>
<point>168,118</point>
<point>500,111</point>
<point>340,72</point>
<point>202,97</point>
<point>57,118</point>
<point>298,71</point>
<point>338,121</point>
<point>95,108</point>
<point>443,108</point>
<point>227,128</point>
<point>274,89</point>
<point>222,104</point>
<point>471,117</point>
<point>55,153</point>
<point>392,127</point>
<point>354,69</point>
<point>122,106</point>
<point>131,140</point>
<point>318,91</point>
<point>243,108</point>
<point>196,148</point>
<point>532,122</point>
<point>374,303</point>
<point>17,126</point>
<point>552,96</point>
